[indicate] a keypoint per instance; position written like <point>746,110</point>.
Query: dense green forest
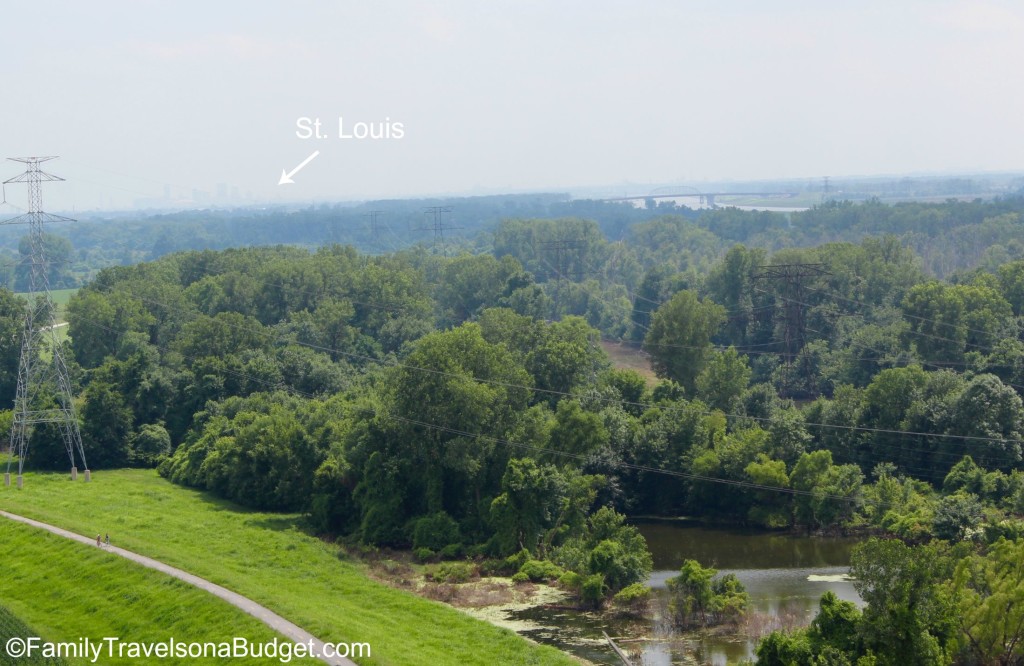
<point>854,367</point>
<point>949,237</point>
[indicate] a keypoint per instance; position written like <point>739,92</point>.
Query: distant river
<point>770,209</point>
<point>785,575</point>
<point>694,203</point>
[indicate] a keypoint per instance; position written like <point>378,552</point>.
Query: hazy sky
<point>502,95</point>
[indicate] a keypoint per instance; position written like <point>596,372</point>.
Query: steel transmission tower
<point>792,277</point>
<point>562,251</point>
<point>375,226</point>
<point>438,226</point>
<point>37,377</point>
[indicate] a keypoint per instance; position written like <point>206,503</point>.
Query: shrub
<point>592,590</point>
<point>610,548</point>
<point>423,554</point>
<point>730,598</point>
<point>520,577</point>
<point>516,562</point>
<point>571,580</point>
<point>957,516</point>
<point>540,570</point>
<point>451,551</point>
<point>780,648</point>
<point>491,567</point>
<point>572,555</point>
<point>391,567</point>
<point>453,572</point>
<point>435,531</point>
<point>474,551</point>
<point>1011,530</point>
<point>633,598</point>
<point>149,446</point>
<point>698,599</point>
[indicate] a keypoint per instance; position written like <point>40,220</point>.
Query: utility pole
<point>35,377</point>
<point>437,224</point>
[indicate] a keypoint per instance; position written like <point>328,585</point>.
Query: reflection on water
<point>672,542</point>
<point>785,576</point>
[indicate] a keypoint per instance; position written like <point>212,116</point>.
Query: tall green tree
<point>97,321</point>
<point>723,379</point>
<point>530,498</point>
<point>947,321</point>
<point>731,283</point>
<point>12,325</point>
<point>908,619</point>
<point>832,492</point>
<point>993,414</point>
<point>470,283</point>
<point>989,593</point>
<point>565,358</point>
<point>456,380</point>
<point>57,255</point>
<point>679,340</point>
<point>106,427</point>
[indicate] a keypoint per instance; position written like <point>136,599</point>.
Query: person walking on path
<point>98,540</point>
<point>107,539</point>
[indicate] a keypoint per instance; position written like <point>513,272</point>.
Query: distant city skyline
<point>155,101</point>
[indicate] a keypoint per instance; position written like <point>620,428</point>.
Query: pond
<point>784,574</point>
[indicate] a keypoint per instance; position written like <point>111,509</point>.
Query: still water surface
<point>784,575</point>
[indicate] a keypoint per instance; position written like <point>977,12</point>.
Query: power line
<point>731,482</point>
<point>437,225</point>
<point>932,434</point>
<point>906,315</point>
<point>560,249</point>
<point>746,349</point>
<point>392,416</point>
<point>933,363</point>
<point>506,442</point>
<point>792,278</point>
<point>834,426</point>
<point>405,366</point>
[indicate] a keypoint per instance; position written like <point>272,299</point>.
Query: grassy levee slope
<point>67,591</point>
<point>12,626</point>
<point>268,558</point>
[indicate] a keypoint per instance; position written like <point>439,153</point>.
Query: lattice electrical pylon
<point>561,252</point>
<point>38,379</point>
<point>792,278</point>
<point>438,225</point>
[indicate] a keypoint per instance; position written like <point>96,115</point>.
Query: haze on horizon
<point>147,99</point>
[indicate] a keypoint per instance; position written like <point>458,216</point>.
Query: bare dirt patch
<point>629,356</point>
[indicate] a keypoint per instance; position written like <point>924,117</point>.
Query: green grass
<point>67,591</point>
<point>60,299</point>
<point>12,626</point>
<point>62,296</point>
<point>268,558</point>
<point>62,335</point>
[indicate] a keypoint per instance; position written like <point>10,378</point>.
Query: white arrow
<point>286,177</point>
